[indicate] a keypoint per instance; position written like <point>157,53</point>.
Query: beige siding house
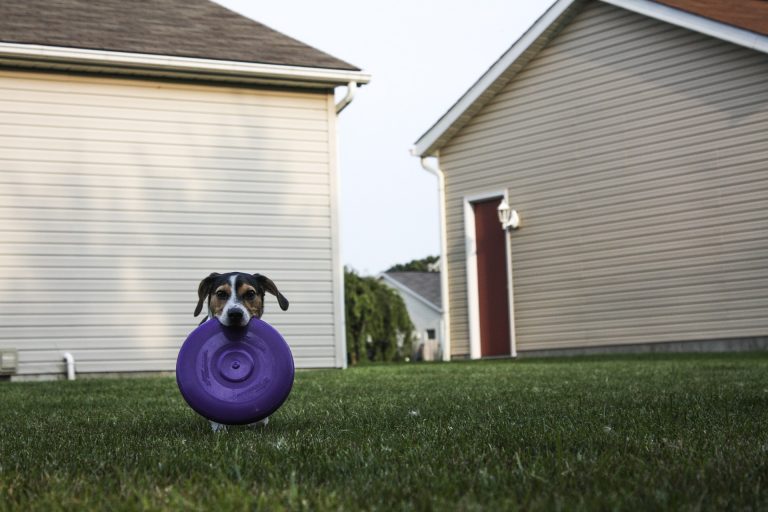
<point>141,150</point>
<point>631,137</point>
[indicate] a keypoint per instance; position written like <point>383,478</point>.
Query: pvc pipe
<point>443,255</point>
<point>510,294</point>
<point>351,88</point>
<point>70,365</point>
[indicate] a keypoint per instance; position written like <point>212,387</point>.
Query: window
<point>430,334</point>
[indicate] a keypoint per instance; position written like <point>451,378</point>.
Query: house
<point>143,147</point>
<point>630,138</point>
<point>421,294</point>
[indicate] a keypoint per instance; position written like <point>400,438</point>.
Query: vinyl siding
<point>422,316</point>
<point>118,196</point>
<point>636,153</point>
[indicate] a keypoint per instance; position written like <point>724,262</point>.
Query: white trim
<point>76,59</point>
<point>695,22</point>
<point>423,146</point>
<point>400,286</point>
<point>339,317</point>
<point>427,144</point>
<point>473,300</point>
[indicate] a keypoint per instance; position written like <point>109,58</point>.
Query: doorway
<point>488,287</point>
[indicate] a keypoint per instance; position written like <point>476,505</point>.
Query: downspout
<point>70,360</point>
<point>443,256</point>
<point>510,221</point>
<point>510,294</point>
<point>339,315</point>
<point>347,99</point>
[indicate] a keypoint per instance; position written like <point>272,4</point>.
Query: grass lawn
<point>676,432</point>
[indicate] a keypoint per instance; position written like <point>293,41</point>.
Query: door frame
<point>473,294</point>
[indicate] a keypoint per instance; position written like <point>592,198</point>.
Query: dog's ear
<point>272,288</point>
<point>203,290</point>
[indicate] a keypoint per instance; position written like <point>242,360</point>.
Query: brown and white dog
<point>234,298</point>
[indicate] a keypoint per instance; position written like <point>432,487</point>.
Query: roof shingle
<point>425,284</point>
<point>180,28</point>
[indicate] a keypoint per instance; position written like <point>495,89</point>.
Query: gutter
<point>443,253</point>
<point>147,65</point>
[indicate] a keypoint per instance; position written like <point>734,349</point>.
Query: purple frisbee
<point>235,375</point>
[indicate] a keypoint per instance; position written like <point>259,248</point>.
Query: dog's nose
<point>235,314</point>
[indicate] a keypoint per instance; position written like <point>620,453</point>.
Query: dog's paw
<point>259,424</point>
<point>218,427</point>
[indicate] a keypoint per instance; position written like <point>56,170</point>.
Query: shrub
<point>378,325</point>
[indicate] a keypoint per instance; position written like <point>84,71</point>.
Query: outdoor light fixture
<point>508,217</point>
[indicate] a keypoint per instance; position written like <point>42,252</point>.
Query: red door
<point>492,280</point>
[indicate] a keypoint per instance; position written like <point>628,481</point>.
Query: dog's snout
<point>235,314</point>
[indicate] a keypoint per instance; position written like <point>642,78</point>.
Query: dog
<point>234,298</point>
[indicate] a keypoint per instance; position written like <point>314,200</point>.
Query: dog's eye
<point>222,295</point>
<point>249,295</point>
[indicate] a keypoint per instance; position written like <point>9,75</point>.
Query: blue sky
<point>422,55</point>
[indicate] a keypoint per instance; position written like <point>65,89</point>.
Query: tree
<point>378,325</point>
<point>428,264</point>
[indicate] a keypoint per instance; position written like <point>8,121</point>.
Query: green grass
<point>628,433</point>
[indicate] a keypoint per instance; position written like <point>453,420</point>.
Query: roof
<point>749,15</point>
<point>424,284</point>
<point>729,20</point>
<point>185,30</point>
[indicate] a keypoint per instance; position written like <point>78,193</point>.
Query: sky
<point>422,56</point>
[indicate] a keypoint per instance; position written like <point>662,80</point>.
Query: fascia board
<point>76,59</point>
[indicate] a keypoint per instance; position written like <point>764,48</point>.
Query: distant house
<point>631,138</point>
<point>421,293</point>
<point>143,147</point>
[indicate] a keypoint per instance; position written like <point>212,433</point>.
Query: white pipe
<point>351,88</point>
<point>443,255</point>
<point>70,365</point>
<point>510,295</point>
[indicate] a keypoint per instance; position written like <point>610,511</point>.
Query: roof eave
<point>538,35</point>
<point>163,66</point>
<point>696,23</point>
<point>497,76</point>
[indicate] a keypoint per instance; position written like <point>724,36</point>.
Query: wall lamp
<point>508,217</point>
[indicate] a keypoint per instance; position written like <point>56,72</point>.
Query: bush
<point>378,325</point>
<point>428,264</point>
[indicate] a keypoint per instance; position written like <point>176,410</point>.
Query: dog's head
<point>235,297</point>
